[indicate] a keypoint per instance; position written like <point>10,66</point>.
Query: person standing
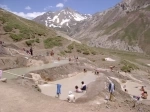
<point>58,90</point>
<point>31,51</point>
<point>111,90</point>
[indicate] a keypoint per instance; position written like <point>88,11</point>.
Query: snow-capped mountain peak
<point>63,19</point>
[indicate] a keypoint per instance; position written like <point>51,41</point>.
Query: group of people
<point>29,51</point>
<point>144,94</point>
<point>71,96</point>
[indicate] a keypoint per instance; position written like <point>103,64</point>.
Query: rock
<point>3,80</point>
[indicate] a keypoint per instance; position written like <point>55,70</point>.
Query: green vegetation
<point>16,37</point>
<point>7,29</point>
<point>71,47</point>
<point>147,8</point>
<point>37,40</point>
<point>25,28</point>
<point>81,48</point>
<point>128,66</point>
<point>52,42</point>
<point>29,42</point>
<point>62,53</point>
<point>68,51</point>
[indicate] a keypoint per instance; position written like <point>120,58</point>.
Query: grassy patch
<point>82,48</point>
<point>71,47</point>
<point>147,8</point>
<point>52,42</point>
<point>127,66</point>
<point>7,29</point>
<point>37,40</point>
<point>68,51</point>
<point>30,42</point>
<point>16,37</point>
<point>62,53</point>
<point>28,28</point>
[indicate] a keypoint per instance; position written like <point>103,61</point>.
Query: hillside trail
<point>59,33</point>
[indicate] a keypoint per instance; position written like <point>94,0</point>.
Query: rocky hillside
<point>64,20</point>
<point>125,27</point>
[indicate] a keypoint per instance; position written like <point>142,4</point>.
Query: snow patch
<point>46,23</point>
<point>54,18</point>
<point>64,21</point>
<point>68,25</point>
<point>52,25</point>
<point>78,17</point>
<point>148,64</point>
<point>48,18</point>
<point>57,20</point>
<point>58,14</point>
<point>109,59</point>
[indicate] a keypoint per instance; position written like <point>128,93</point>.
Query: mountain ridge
<point>122,27</point>
<point>62,20</point>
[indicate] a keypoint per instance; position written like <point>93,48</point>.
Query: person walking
<point>111,90</point>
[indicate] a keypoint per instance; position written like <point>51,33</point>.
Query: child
<point>71,97</point>
<point>78,90</point>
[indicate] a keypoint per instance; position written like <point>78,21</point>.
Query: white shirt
<point>71,98</point>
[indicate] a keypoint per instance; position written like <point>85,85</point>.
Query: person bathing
<point>78,90</point>
<point>83,87</point>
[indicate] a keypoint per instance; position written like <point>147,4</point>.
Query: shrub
<point>16,37</point>
<point>62,53</point>
<point>79,51</point>
<point>127,66</point>
<point>7,28</point>
<point>68,51</point>
<point>93,52</point>
<point>37,40</point>
<point>125,69</point>
<point>86,52</point>
<point>29,42</point>
<point>71,47</point>
<point>52,42</point>
<point>103,59</point>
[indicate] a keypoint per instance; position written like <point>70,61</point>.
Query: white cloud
<point>60,5</point>
<point>47,8</point>
<point>4,7</point>
<point>28,8</point>
<point>31,15</point>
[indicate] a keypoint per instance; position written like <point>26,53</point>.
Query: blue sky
<point>32,8</point>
